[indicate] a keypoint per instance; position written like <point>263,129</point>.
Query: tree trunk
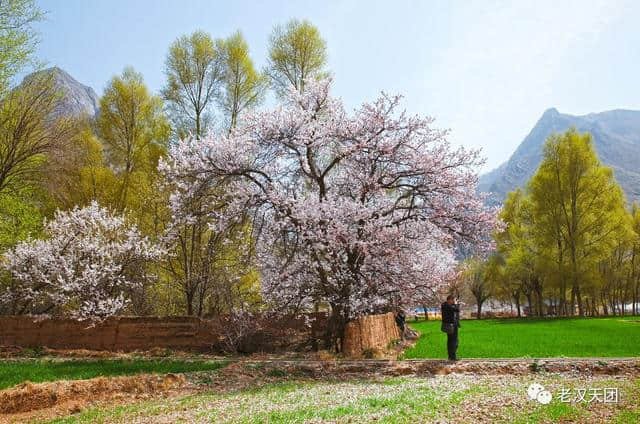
<point>612,305</point>
<point>575,288</point>
<point>531,311</point>
<point>314,333</point>
<point>334,338</point>
<point>635,298</point>
<point>189,299</point>
<point>563,283</point>
<point>579,299</point>
<point>539,299</point>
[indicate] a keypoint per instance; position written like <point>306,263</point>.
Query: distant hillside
<point>77,99</point>
<point>616,137</point>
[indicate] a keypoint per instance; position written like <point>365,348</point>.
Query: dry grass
<point>28,396</point>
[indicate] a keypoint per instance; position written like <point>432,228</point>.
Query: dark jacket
<point>450,313</point>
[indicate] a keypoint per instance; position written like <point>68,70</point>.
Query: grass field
<point>37,371</point>
<point>452,398</point>
<point>533,338</point>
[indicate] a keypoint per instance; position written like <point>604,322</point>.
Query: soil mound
<point>28,396</point>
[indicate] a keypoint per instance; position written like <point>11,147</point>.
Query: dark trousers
<point>452,344</point>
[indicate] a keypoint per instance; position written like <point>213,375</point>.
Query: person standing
<point>450,323</point>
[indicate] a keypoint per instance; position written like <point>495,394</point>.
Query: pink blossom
<point>353,210</point>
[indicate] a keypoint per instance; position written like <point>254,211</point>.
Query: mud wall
<point>188,333</point>
<point>115,334</point>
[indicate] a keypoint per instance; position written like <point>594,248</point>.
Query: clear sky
<point>485,69</point>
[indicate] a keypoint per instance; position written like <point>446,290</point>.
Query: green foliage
<point>28,138</point>
<point>578,207</point>
<point>79,173</point>
<point>477,277</point>
<point>135,132</point>
<point>212,270</point>
<point>296,52</point>
<point>18,39</point>
<point>28,134</point>
<point>20,217</point>
<point>244,87</point>
<point>568,235</point>
<point>194,68</point>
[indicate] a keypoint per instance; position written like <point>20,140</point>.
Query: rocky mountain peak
<point>77,99</point>
<point>616,139</point>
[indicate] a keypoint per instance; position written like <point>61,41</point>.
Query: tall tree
<point>576,198</point>
<point>352,210</point>
<point>243,85</point>
<point>134,129</point>
<point>634,268</point>
<point>296,52</point>
<point>79,173</point>
<point>519,253</point>
<point>21,215</point>
<point>210,268</point>
<point>194,69</point>
<point>207,263</point>
<point>476,275</point>
<point>634,259</point>
<point>17,37</point>
<point>28,130</point>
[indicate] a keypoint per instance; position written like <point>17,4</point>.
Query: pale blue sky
<point>485,69</point>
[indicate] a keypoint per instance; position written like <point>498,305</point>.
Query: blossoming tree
<point>348,210</point>
<point>87,266</point>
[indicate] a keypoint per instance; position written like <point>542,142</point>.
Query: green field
<point>532,338</point>
<point>37,371</point>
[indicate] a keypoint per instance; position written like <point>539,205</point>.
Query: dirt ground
<point>28,402</point>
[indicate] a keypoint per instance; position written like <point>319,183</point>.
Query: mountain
<point>77,99</point>
<point>616,138</point>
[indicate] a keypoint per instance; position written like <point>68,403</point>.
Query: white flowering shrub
<point>86,267</point>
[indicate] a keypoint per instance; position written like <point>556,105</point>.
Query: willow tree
<point>578,206</point>
<point>476,276</point>
<point>634,273</point>
<point>523,257</point>
<point>29,131</point>
<point>194,69</point>
<point>244,86</point>
<point>18,39</point>
<point>134,130</point>
<point>297,53</point>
